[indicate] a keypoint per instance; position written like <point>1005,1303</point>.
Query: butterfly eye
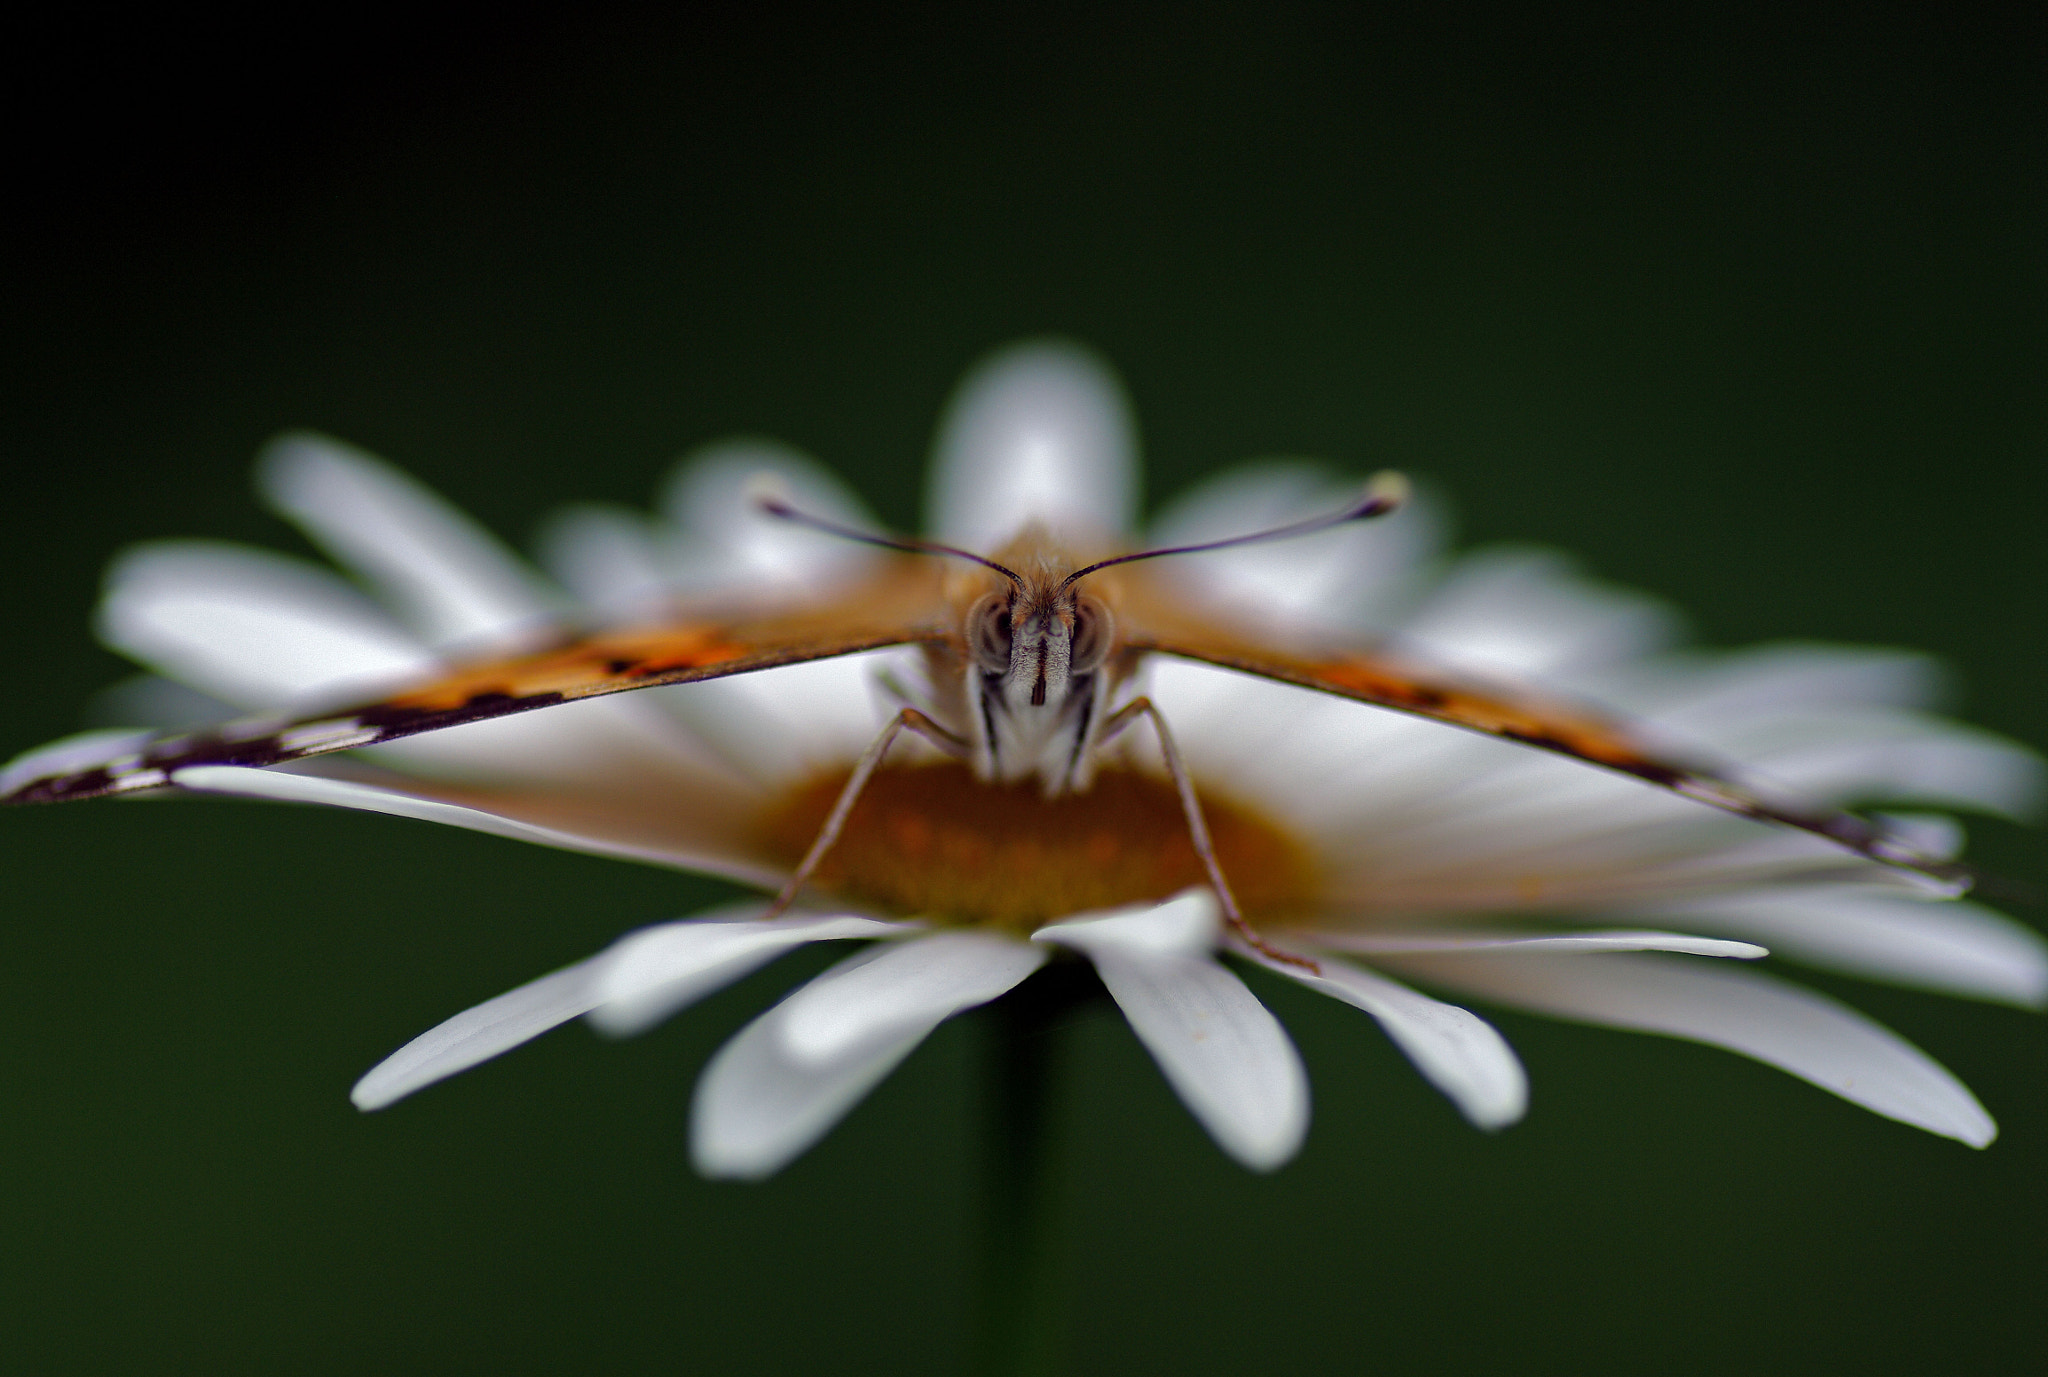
<point>1093,627</point>
<point>988,632</point>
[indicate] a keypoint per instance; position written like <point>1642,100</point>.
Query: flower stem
<point>1018,1327</point>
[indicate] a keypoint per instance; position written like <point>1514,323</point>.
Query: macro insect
<point>1031,651</point>
<point>1038,742</point>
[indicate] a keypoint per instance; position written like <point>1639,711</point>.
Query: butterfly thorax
<point>1035,668</point>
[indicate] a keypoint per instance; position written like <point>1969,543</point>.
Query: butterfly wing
<point>899,607</point>
<point>1511,713</point>
<point>903,606</point>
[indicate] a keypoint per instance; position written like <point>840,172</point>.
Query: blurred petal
<point>255,629</point>
<point>1227,1058</point>
<point>659,971</point>
<point>1794,1029</point>
<point>1353,577</point>
<point>1934,835</point>
<point>1039,432</point>
<point>1223,1053</point>
<point>1955,947</point>
<point>1452,940</point>
<point>610,558</point>
<point>757,1108</point>
<point>1457,1051</point>
<point>439,569</point>
<point>150,700</point>
<point>284,787</point>
<point>1911,759</point>
<point>264,631</point>
<point>899,988</point>
<point>722,542</point>
<point>1414,819</point>
<point>1706,694</point>
<point>597,743</point>
<point>781,724</point>
<point>476,1035</point>
<point>671,965</point>
<point>1521,612</point>
<point>1185,925</point>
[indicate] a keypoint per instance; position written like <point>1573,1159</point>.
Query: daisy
<point>1374,853</point>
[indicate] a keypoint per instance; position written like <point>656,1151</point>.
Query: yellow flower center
<point>934,842</point>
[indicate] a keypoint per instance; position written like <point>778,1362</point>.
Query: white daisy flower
<point>1391,852</point>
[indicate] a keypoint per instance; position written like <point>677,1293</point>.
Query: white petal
<point>1185,925</point>
<point>1225,1055</point>
<point>265,631</point>
<point>476,1035</point>
<point>1705,694</point>
<point>722,542</point>
<point>1788,859</point>
<point>609,557</point>
<point>1457,1051</point>
<point>153,701</point>
<point>1416,817</point>
<point>1885,934</point>
<point>1342,580</point>
<point>1415,809</point>
<point>1934,835</point>
<point>1227,1058</point>
<point>1042,432</point>
<point>1302,754</point>
<point>620,743</point>
<point>899,988</point>
<point>673,964</point>
<point>1527,612</point>
<point>756,1108</point>
<point>285,787</point>
<point>656,972</point>
<point>256,629</point>
<point>1454,940</point>
<point>1794,1029</point>
<point>1901,759</point>
<point>778,725</point>
<point>1832,723</point>
<point>1306,752</point>
<point>442,571</point>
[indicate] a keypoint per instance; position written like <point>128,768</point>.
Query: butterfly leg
<point>1198,827</point>
<point>863,770</point>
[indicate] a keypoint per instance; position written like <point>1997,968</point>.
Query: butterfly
<point>1032,651</point>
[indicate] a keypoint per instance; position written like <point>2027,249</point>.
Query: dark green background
<point>1746,312</point>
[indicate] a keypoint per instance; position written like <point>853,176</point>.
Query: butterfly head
<point>1034,640</point>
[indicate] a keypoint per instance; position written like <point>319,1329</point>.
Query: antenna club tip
<point>1385,491</point>
<point>766,491</point>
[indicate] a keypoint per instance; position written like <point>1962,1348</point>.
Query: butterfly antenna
<point>1384,492</point>
<point>771,497</point>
